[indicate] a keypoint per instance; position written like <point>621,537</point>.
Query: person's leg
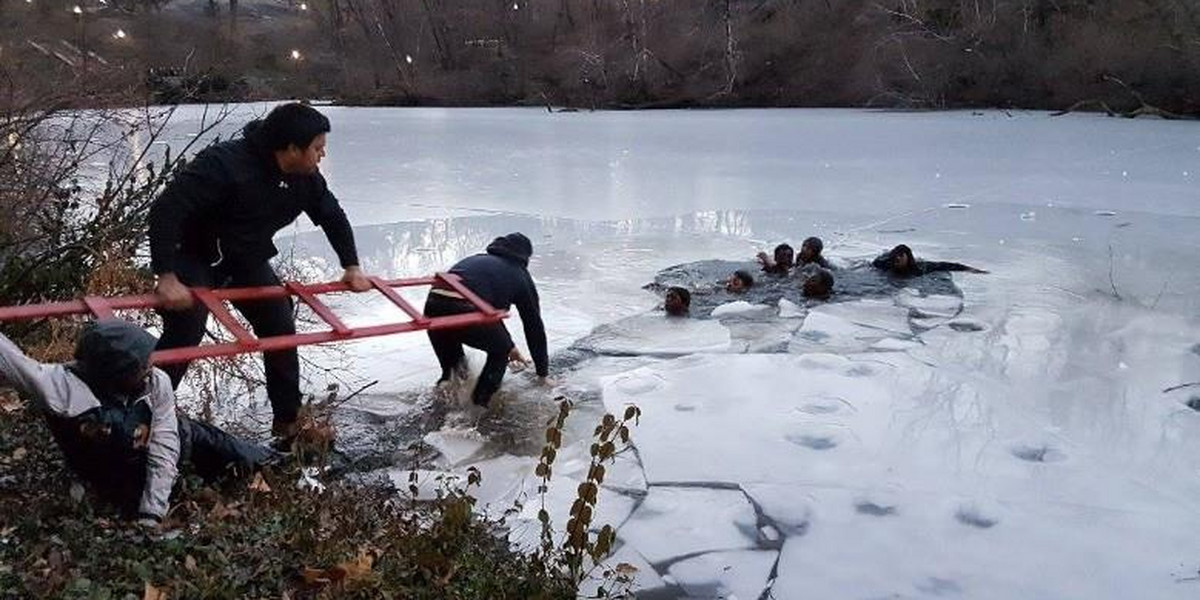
<point>185,328</point>
<point>213,453</point>
<point>497,343</point>
<point>445,342</point>
<point>270,318</point>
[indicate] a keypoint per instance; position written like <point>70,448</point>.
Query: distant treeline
<point>1125,56</point>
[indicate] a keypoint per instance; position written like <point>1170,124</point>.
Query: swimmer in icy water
<point>810,254</point>
<point>740,282</point>
<point>677,302</point>
<point>900,262</point>
<point>780,263</point>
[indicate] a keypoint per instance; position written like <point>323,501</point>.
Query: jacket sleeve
<point>325,212</point>
<point>198,188</point>
<point>933,267</point>
<point>162,452</point>
<point>535,331</point>
<point>51,387</point>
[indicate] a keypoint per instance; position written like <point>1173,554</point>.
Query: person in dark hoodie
<point>500,276</point>
<point>113,416</point>
<point>900,262</point>
<point>212,227</point>
<point>810,253</point>
<point>781,261</point>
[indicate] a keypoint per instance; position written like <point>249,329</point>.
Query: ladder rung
<point>318,307</point>
<point>224,317</point>
<point>398,300</point>
<point>98,306</point>
<point>456,284</point>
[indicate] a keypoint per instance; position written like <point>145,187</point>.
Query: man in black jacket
<point>900,262</point>
<point>501,277</point>
<point>212,227</point>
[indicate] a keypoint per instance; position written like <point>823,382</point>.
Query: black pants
<point>448,345</point>
<point>116,470</point>
<point>267,317</point>
<point>213,453</point>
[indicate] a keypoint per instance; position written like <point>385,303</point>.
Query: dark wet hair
<point>815,243</point>
<point>825,279</point>
<point>685,297</point>
<point>897,252</point>
<point>286,125</point>
<point>683,294</point>
<point>784,248</point>
<point>746,278</point>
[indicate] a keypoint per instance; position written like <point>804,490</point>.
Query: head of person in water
<point>810,251</point>
<point>739,282</point>
<point>677,302</point>
<point>819,285</point>
<point>785,256</point>
<point>900,259</point>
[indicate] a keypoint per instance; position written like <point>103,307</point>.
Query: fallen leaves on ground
<point>10,402</point>
<point>259,484</point>
<point>344,573</point>
<point>153,593</point>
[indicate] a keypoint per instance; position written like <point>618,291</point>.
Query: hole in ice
<point>970,516</point>
<point>936,586</point>
<point>966,326</point>
<point>813,442</point>
<point>1193,403</point>
<point>875,510</point>
<point>1196,349</point>
<point>819,408</point>
<point>1042,454</point>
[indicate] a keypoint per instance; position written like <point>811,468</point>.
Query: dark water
<point>705,279</point>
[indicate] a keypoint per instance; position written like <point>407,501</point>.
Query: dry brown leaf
<point>222,511</point>
<point>625,569</point>
<point>153,593</point>
<point>10,402</point>
<point>259,484</point>
<point>19,453</point>
<point>315,576</point>
<point>356,569</point>
<point>189,564</point>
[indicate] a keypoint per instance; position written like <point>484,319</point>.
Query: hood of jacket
<point>514,246</point>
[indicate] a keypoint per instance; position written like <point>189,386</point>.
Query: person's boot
<point>284,434</point>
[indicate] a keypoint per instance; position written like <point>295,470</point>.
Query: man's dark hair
<point>783,248</point>
<point>824,279</point>
<point>746,278</point>
<point>902,250</point>
<point>815,243</point>
<point>286,125</point>
<point>684,295</point>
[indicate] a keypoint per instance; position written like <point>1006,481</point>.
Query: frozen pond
<point>1008,437</point>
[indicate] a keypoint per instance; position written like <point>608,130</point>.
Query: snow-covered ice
<point>977,436</point>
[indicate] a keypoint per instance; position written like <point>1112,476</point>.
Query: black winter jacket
<point>502,279</point>
<point>230,200</point>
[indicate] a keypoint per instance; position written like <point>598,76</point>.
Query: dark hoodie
<point>501,277</point>
<point>886,262</point>
<point>817,246</point>
<point>229,201</point>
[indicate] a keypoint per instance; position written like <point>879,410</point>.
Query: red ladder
<point>244,341</point>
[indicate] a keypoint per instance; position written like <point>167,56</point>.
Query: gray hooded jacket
<point>109,348</point>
